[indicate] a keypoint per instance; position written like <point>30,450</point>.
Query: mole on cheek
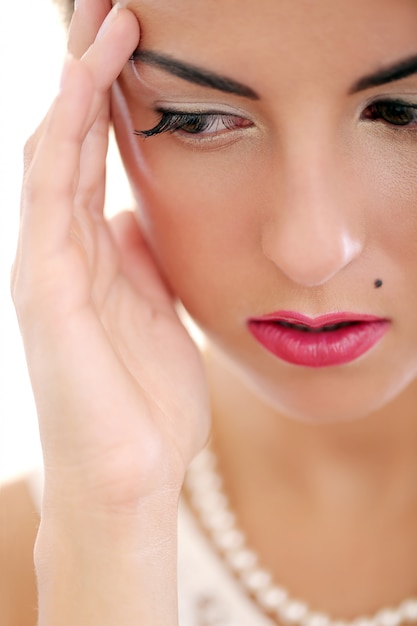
<point>378,283</point>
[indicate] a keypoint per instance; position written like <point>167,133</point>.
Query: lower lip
<point>322,349</point>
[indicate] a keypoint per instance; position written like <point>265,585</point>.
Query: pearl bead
<point>208,502</point>
<point>231,540</point>
<point>219,520</point>
<point>408,610</point>
<point>272,598</point>
<point>388,617</point>
<point>204,482</point>
<point>205,489</point>
<point>316,619</point>
<point>256,579</point>
<point>241,560</point>
<point>293,612</point>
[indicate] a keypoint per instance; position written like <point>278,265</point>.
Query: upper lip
<point>328,319</point>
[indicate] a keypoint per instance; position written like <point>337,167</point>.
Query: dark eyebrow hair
<point>193,74</point>
<point>200,76</point>
<point>399,70</point>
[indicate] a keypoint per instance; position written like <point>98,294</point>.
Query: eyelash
<point>194,123</point>
<point>397,114</point>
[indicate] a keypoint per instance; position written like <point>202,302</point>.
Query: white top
<point>208,595</point>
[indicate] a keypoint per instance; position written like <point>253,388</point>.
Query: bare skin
<point>124,470</point>
<point>330,206</point>
<point>19,521</point>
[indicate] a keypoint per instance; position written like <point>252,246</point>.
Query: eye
<point>392,112</point>
<point>211,123</point>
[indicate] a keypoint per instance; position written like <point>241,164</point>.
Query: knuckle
<point>31,144</point>
<point>30,191</point>
<point>23,289</point>
<point>26,303</point>
<point>29,151</point>
<point>33,187</point>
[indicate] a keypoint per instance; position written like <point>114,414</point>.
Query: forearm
<point>108,572</point>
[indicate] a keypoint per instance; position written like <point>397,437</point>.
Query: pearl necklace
<point>204,486</point>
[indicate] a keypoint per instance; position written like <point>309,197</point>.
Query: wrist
<point>96,571</point>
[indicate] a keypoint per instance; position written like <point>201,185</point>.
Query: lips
<point>324,341</point>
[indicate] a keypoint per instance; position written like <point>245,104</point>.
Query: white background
<point>32,46</point>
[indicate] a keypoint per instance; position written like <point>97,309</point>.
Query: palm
<point>120,387</point>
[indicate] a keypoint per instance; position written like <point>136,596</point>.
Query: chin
<point>332,395</point>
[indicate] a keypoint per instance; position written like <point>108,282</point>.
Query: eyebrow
<point>401,69</point>
<point>200,76</point>
<point>194,74</point>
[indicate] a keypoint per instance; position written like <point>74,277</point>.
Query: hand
<point>119,385</point>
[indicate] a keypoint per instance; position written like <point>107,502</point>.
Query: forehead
<point>262,39</point>
<point>280,25</point>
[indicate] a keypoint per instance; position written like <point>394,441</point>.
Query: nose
<point>311,233</point>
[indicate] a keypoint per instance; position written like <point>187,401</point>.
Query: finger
<point>52,176</point>
<point>116,39</point>
<point>101,58</point>
<point>86,21</point>
<point>46,204</point>
<point>118,36</point>
<point>85,24</point>
<point>54,153</point>
<point>54,171</point>
<point>93,60</point>
<point>32,142</point>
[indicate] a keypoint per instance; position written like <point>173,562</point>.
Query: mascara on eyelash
<point>175,120</point>
<point>393,107</point>
<point>169,122</point>
<point>172,121</point>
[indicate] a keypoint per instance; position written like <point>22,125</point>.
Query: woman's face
<point>290,185</point>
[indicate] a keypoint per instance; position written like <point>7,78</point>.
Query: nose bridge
<point>310,232</point>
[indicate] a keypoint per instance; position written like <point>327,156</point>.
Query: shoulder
<point>19,521</point>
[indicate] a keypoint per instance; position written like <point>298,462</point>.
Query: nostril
<point>309,256</point>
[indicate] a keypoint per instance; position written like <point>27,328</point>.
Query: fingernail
<point>110,18</point>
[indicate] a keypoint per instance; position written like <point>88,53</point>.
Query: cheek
<point>201,218</point>
<point>200,211</point>
<point>203,214</point>
<point>390,173</point>
<point>390,170</point>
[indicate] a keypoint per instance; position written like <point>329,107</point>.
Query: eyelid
<point>400,101</point>
<point>392,97</point>
<point>170,122</point>
<point>203,113</point>
<point>201,108</point>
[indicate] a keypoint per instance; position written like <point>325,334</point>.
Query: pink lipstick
<point>331,339</point>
